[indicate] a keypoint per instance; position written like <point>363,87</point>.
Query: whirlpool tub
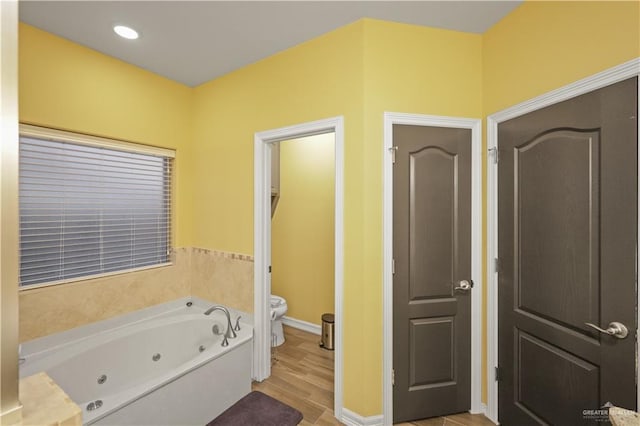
<point>160,366</point>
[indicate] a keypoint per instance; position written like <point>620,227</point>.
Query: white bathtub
<point>167,368</point>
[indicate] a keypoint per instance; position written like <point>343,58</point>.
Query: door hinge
<point>496,265</point>
<point>393,150</point>
<point>497,374</point>
<point>393,266</point>
<point>269,268</point>
<point>495,153</point>
<point>393,377</point>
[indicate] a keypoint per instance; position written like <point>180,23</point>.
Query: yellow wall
<point>416,70</point>
<point>318,79</point>
<point>541,46</point>
<point>70,87</point>
<point>358,71</point>
<point>67,86</point>
<point>302,232</point>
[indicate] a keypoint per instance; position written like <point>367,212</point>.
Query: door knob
<point>464,285</point>
<point>615,329</point>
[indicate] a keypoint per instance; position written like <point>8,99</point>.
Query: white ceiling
<point>196,41</point>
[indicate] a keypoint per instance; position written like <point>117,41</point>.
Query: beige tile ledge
<point>621,417</point>
<point>217,253</point>
<point>224,254</point>
<point>44,403</point>
<point>11,417</point>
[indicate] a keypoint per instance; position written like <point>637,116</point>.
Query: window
<point>90,206</point>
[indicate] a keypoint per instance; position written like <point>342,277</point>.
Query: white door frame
<point>262,243</point>
<point>391,118</point>
<point>613,75</point>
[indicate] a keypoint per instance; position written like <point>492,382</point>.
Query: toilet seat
<point>278,310</point>
<point>276,301</point>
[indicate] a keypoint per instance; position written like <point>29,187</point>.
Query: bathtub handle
<point>237,327</point>
<point>216,330</point>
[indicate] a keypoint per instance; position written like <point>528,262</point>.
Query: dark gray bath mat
<point>258,409</point>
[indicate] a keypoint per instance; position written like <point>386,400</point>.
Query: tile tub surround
<point>45,403</point>
<point>48,310</point>
<point>226,278</point>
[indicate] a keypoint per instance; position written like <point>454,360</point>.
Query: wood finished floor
<point>302,377</point>
<point>462,419</point>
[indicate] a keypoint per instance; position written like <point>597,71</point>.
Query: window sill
<point>92,277</point>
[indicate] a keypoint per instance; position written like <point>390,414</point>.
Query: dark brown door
<point>567,251</point>
<point>432,254</point>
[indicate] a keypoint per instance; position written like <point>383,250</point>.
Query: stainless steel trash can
<point>328,324</point>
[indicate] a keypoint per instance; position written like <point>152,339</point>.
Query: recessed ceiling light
<point>125,32</point>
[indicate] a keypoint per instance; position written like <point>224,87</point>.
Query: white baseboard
<point>350,418</point>
<point>483,409</point>
<point>302,325</point>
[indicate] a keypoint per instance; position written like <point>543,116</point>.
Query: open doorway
<point>263,149</point>
<point>302,231</point>
<point>302,275</point>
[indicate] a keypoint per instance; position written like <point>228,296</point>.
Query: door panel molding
<point>560,151</point>
<point>475,125</point>
<point>433,207</point>
<point>613,75</point>
<point>543,371</point>
<point>421,332</point>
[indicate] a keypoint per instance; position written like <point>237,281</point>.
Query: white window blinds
<point>90,209</point>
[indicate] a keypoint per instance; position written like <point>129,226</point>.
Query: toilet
<point>278,309</point>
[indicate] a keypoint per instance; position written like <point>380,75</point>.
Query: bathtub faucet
<point>230,334</point>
